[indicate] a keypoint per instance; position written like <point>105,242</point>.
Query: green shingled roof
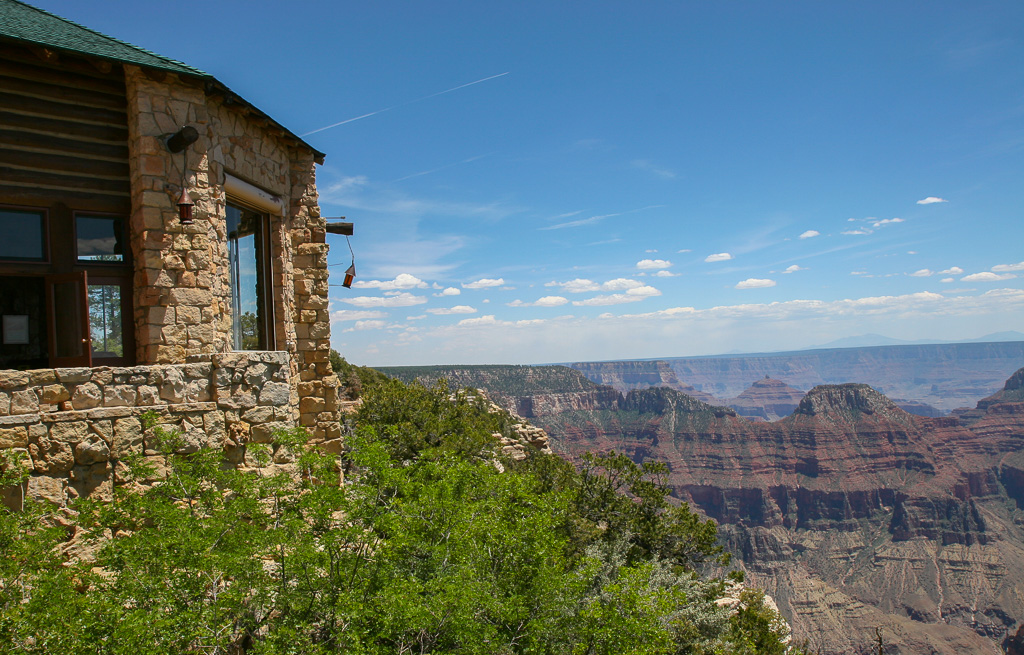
<point>27,23</point>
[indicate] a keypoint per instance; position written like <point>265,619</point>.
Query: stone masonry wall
<point>182,283</point>
<point>74,424</point>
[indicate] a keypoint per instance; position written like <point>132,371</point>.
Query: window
<point>105,320</point>
<point>99,238</point>
<point>24,235</point>
<point>251,310</point>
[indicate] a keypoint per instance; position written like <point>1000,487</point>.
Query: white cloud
<point>402,299</point>
<point>924,272</point>
<point>401,281</point>
<point>653,264</point>
<point>482,320</point>
<point>645,291</point>
<point>457,309</point>
<point>755,283</point>
<point>651,250</point>
<point>368,325</point>
<point>952,270</point>
<point>810,233</point>
<point>449,291</point>
<point>684,250</point>
<point>946,280</point>
<point>634,294</point>
<point>718,257</point>
<point>858,231</point>
<point>621,284</point>
<point>794,268</point>
<point>887,221</point>
<point>931,200</point>
<point>546,301</point>
<point>580,285</point>
<point>987,277</point>
<point>484,283</point>
<point>355,315</point>
<point>489,320</point>
<point>666,274</point>
<point>1002,268</point>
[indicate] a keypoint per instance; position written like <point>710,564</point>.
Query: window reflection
<point>99,238</point>
<point>245,241</point>
<point>105,320</point>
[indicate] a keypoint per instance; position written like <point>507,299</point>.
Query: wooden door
<point>67,310</point>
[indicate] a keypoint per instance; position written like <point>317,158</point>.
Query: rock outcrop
<point>767,399</point>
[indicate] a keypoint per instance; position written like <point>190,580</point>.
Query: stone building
<point>114,301</point>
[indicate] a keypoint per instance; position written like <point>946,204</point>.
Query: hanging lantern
<point>185,205</point>
<point>349,275</point>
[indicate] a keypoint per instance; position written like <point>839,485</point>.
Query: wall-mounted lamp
<point>182,139</point>
<point>179,142</point>
<point>350,274</point>
<point>185,205</point>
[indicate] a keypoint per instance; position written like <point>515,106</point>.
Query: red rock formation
<point>767,399</point>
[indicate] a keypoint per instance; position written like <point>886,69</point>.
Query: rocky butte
<point>851,512</point>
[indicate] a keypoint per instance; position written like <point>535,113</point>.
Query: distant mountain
<point>868,340</point>
<point>944,376</point>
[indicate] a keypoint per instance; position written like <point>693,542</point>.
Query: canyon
<point>851,512</point>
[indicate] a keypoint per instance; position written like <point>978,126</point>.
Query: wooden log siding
<point>63,132</point>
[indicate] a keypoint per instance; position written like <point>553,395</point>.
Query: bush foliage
<point>427,547</point>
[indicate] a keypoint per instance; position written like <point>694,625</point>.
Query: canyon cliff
<point>852,513</point>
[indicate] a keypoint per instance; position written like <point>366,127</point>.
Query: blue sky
<point>644,180</point>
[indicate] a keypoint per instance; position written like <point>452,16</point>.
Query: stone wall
<point>74,424</point>
<point>182,285</point>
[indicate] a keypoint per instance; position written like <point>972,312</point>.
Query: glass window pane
<point>99,238</point>
<point>244,230</point>
<point>23,235</point>
<point>105,320</point>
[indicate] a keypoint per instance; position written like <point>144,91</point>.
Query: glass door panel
<point>105,321</point>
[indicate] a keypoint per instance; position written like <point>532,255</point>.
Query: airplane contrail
<point>403,104</point>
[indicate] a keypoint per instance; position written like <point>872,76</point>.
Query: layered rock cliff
<point>766,399</point>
